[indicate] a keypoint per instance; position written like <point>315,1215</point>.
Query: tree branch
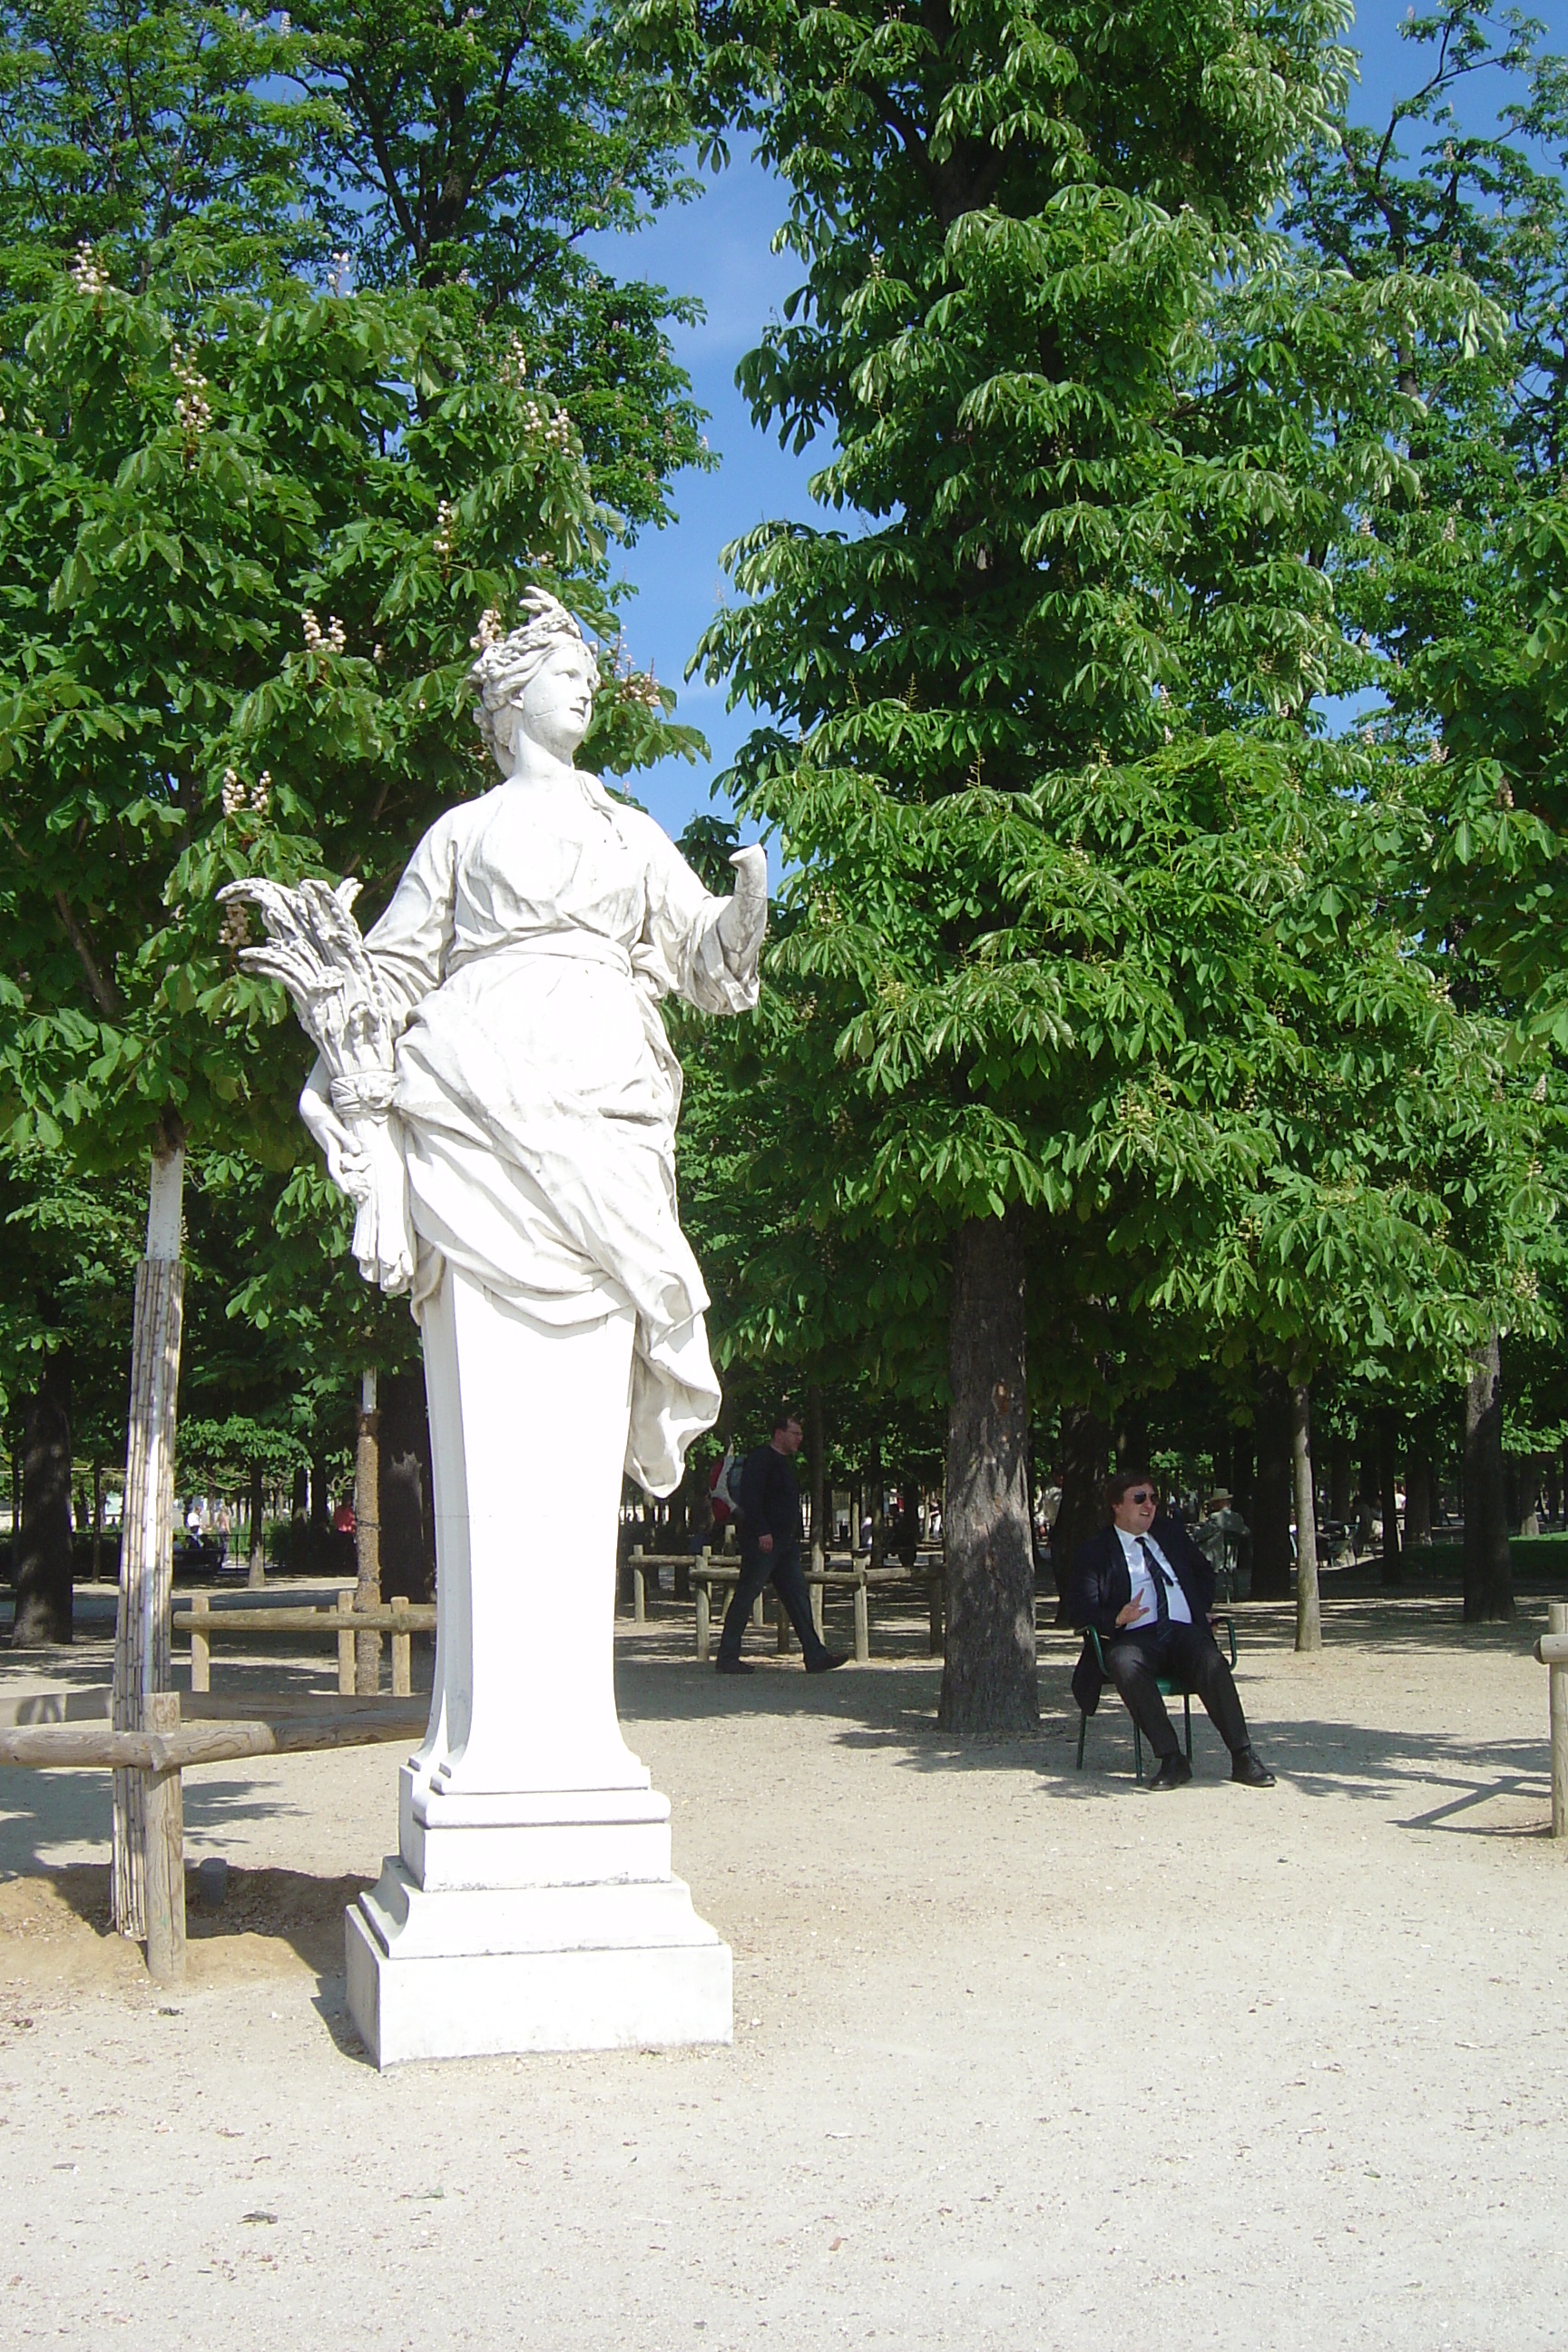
<point>102,991</point>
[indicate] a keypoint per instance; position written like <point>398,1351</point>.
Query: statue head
<point>538,681</point>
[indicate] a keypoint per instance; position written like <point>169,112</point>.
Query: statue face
<point>558,702</point>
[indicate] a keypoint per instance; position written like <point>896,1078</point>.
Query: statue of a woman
<point>497,1091</point>
<point>522,960</point>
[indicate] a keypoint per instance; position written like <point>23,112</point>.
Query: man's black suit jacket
<point>1100,1587</point>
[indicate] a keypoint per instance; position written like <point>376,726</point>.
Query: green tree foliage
<point>1082,917</point>
<point>249,522</point>
<point>68,1246</point>
<point>244,566</point>
<point>469,152</point>
<point>160,136</point>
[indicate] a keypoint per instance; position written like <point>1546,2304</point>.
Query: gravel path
<point>1022,2059</point>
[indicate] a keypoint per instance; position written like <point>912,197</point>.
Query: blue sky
<point>718,248</point>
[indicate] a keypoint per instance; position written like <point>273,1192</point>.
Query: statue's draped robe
<point>523,956</point>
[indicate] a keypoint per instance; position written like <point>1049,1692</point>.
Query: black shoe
<point>1246,1768</point>
<point>1173,1773</point>
<point>733,1666</point>
<point>828,1660</point>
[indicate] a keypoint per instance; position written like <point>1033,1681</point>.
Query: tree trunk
<point>320,1500</point>
<point>299,1501</point>
<point>1309,1614</point>
<point>816,1456</point>
<point>1244,1473</point>
<point>1131,1434</point>
<point>97,1522</point>
<point>1082,1453</point>
<point>43,1555</point>
<point>909,1517</point>
<point>1388,1488</point>
<point>1417,1493</point>
<point>989,1680</point>
<point>256,1571</point>
<point>1530,1495</point>
<point>142,1668</point>
<point>367,1536</point>
<point>1488,1571</point>
<point>1271,1497</point>
<point>1342,1478</point>
<point>407,1511</point>
<point>1553,1490</point>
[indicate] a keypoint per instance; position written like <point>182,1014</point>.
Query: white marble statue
<point>496,1092</point>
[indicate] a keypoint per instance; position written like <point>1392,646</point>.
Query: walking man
<point>1146,1588</point>
<point>770,1546</point>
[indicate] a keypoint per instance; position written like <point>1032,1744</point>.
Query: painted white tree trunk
<point>146,1555</point>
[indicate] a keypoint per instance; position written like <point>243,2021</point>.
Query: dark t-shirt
<point>770,1500</point>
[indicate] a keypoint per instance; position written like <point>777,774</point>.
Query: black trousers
<point>1135,1659</point>
<point>783,1565</point>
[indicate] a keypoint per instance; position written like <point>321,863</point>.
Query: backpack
<point>724,1486</point>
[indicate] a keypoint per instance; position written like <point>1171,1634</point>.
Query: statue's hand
<point>744,918</point>
<point>348,1163</point>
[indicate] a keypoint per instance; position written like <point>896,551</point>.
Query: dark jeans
<point>1187,1653</point>
<point>783,1564</point>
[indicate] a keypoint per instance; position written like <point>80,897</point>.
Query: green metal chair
<point>1168,1687</point>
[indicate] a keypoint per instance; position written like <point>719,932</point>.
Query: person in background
<point>1223,1539</point>
<point>770,1548</point>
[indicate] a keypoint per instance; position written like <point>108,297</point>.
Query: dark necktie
<point>1162,1606</point>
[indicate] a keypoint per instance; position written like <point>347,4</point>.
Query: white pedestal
<point>590,1944</point>
<point>530,1904</point>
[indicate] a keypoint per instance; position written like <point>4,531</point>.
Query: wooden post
<point>146,1532</point>
<point>402,1652</point>
<point>703,1591</point>
<point>367,1536</point>
<point>862,1621</point>
<point>162,1812</point>
<point>1557,1616</point>
<point>640,1588</point>
<point>201,1645</point>
<point>346,1685</point>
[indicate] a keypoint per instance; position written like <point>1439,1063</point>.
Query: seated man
<point>1146,1588</point>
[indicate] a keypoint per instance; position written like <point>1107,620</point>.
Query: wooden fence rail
<point>158,1755</point>
<point>401,1619</point>
<point>858,1581</point>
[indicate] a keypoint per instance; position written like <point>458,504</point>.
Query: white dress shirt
<point>1143,1585</point>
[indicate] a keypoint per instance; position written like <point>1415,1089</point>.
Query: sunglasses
<point>1142,1495</point>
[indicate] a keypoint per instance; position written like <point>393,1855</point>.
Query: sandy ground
<point>1022,2058</point>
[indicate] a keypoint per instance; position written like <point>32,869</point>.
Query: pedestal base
<point>586,1943</point>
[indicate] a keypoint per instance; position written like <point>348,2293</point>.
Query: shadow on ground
<point>56,1934</point>
<point>1449,1778</point>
